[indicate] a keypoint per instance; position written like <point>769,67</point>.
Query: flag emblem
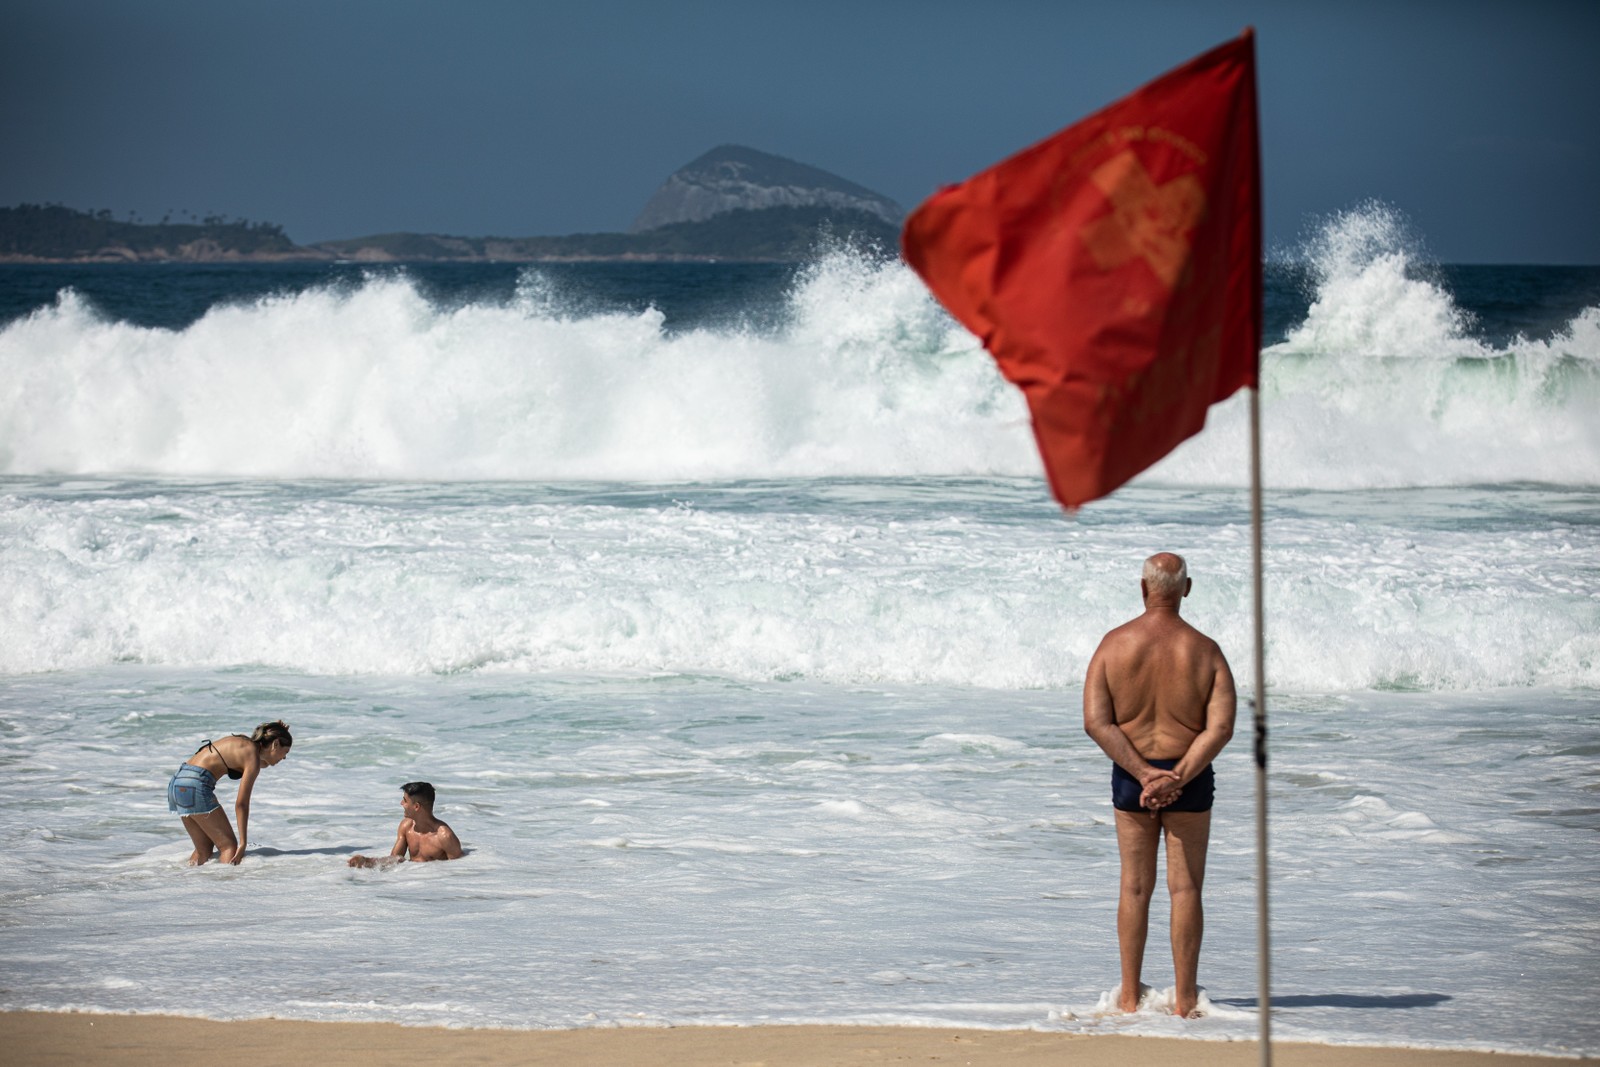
<point>1150,221</point>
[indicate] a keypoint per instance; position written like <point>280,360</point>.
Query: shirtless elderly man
<point>1159,700</point>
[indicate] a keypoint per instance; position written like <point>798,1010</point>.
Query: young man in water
<point>1159,700</point>
<point>421,837</point>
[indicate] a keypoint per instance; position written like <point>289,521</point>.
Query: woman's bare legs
<point>203,848</point>
<point>208,830</point>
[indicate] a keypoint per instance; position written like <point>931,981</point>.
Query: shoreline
<point>48,1038</point>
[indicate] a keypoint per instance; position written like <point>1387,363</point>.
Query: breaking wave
<point>1383,384</point>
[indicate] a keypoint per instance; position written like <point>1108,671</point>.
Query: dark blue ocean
<point>1501,302</point>
<point>726,608</point>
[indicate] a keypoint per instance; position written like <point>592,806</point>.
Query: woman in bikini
<point>192,791</point>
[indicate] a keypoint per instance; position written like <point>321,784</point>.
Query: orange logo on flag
<point>1148,220</point>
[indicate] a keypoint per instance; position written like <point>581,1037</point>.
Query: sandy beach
<point>44,1038</point>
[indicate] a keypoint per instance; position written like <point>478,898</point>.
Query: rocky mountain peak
<point>736,178</point>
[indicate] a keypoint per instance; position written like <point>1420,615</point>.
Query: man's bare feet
<point>1128,1004</point>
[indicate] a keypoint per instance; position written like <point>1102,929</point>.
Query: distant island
<point>733,203</point>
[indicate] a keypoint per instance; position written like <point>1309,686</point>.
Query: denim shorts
<point>192,791</point>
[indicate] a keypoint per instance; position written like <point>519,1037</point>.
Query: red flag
<point>1114,270</point>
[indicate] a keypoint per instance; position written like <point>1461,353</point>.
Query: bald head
<point>1166,577</point>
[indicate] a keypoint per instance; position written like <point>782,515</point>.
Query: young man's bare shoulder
<point>407,825</point>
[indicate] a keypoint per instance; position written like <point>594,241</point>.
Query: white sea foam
<point>742,872</point>
<point>920,582</point>
<point>1383,384</point>
<point>377,383</point>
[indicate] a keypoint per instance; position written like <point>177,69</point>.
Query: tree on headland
<point>51,231</point>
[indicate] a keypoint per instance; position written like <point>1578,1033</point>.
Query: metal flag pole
<point>1263,930</point>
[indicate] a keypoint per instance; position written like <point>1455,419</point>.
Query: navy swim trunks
<point>1197,794</point>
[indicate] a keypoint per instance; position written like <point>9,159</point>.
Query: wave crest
<point>1382,384</point>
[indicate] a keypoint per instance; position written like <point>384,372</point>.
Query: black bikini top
<point>234,773</point>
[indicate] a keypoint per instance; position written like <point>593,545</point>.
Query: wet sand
<point>31,1038</point>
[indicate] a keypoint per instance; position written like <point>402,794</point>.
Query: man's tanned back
<point>1162,674</point>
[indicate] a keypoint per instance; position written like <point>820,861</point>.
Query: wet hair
<point>269,732</point>
<point>420,791</point>
<point>1160,576</point>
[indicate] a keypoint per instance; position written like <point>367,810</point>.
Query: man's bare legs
<point>1138,836</point>
<point>1188,835</point>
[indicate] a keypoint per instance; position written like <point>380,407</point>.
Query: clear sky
<point>1478,120</point>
